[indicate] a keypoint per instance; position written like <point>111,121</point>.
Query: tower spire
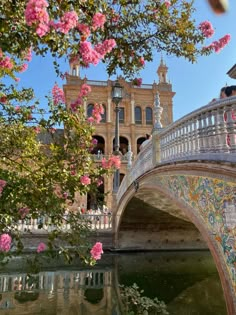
<point>162,71</point>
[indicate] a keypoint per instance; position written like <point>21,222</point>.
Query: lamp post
<point>117,91</point>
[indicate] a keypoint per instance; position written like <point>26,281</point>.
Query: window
<point>138,115</point>
<point>104,118</point>
<point>122,115</point>
<point>149,120</point>
<point>89,110</point>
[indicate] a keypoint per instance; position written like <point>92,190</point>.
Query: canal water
<point>187,282</point>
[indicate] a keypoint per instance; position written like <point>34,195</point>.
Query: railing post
<point>156,157</point>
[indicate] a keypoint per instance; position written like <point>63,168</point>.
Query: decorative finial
<point>157,112</point>
<point>129,155</point>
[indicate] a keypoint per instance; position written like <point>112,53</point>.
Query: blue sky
<point>195,84</point>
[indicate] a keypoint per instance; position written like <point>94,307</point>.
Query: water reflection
<point>187,282</point>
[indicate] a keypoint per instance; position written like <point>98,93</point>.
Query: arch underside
<point>184,207</point>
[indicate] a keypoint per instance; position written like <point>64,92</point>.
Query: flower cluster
<point>93,55</point>
<point>85,89</point>
<point>85,180</point>
<point>28,55</point>
<point>23,68</point>
<point>105,47</point>
<point>67,22</point>
<point>5,61</point>
<point>217,46</point>
<point>23,212</point>
<point>36,14</point>
<point>58,95</point>
<point>167,4</point>
<point>97,111</point>
<point>96,251</point>
<point>98,21</point>
<point>41,247</point>
<point>207,29</point>
<point>2,185</point>
<point>5,242</point>
<point>112,162</point>
<point>137,82</point>
<point>142,61</point>
<point>84,30</point>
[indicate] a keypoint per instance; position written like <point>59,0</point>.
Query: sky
<point>194,84</point>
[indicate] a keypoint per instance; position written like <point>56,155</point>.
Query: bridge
<point>180,192</point>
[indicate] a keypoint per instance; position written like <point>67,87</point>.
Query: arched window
<point>149,119</point>
<point>139,142</point>
<point>89,110</point>
<point>104,116</point>
<point>138,115</point>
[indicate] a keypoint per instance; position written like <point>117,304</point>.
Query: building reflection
<point>82,292</point>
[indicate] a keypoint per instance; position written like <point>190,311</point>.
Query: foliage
<point>40,181</point>
<point>136,304</point>
<point>138,27</point>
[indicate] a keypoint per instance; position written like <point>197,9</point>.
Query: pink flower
<point>94,141</point>
<point>207,29</point>
<point>99,182</point>
<point>217,46</point>
<point>24,67</point>
<point>137,82</point>
<point>17,109</point>
<point>41,247</point>
<point>2,185</point>
<point>167,4</point>
<point>142,61</point>
<point>105,47</point>
<point>58,95</point>
<point>88,54</point>
<point>6,63</point>
<point>3,99</point>
<point>37,129</point>
<point>90,119</point>
<point>36,14</point>
<point>98,20</point>
<point>96,251</point>
<point>84,30</point>
<point>85,180</point>
<point>28,55</point>
<point>23,212</point>
<point>5,242</point>
<point>67,22</point>
<point>85,89</point>
<point>112,162</point>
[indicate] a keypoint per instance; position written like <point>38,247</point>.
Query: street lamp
<point>117,91</point>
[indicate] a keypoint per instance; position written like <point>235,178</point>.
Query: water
<point>187,282</point>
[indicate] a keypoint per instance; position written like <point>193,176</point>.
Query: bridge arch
<point>199,193</point>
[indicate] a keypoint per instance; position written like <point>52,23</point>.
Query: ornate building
<point>136,117</point>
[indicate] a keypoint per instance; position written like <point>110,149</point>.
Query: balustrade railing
<point>208,133</point>
<point>44,224</point>
<point>61,280</point>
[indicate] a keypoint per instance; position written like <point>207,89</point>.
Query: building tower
<point>136,117</point>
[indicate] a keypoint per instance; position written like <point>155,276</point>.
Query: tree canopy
<point>37,180</point>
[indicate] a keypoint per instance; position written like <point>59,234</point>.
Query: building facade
<point>136,117</point>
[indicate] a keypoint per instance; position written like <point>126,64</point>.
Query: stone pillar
<point>132,110</point>
<point>109,110</point>
<point>156,129</point>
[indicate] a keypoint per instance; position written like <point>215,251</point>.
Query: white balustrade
<point>208,133</point>
<point>61,280</point>
<point>44,225</point>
